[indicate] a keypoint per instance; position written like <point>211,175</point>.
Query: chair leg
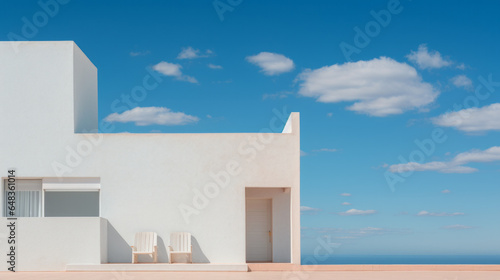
<point>134,258</point>
<point>155,257</point>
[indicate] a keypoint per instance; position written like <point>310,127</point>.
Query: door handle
<point>270,236</point>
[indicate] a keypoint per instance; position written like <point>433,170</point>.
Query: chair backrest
<point>180,241</point>
<point>145,241</point>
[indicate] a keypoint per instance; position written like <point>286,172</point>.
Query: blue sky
<point>368,77</point>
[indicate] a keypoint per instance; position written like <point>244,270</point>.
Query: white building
<point>82,195</point>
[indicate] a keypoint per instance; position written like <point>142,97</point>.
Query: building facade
<point>81,195</point>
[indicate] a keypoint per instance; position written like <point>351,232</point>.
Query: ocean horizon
<point>402,259</point>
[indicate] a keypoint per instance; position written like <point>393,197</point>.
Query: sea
<point>402,259</point>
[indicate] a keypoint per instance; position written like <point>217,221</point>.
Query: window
<point>28,200</point>
<point>71,197</point>
<point>54,197</point>
<point>71,204</point>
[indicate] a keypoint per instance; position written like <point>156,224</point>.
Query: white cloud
<point>168,69</point>
<point>457,227</point>
<point>139,53</point>
<point>191,53</point>
<point>188,53</point>
<point>329,114</point>
<point>372,229</point>
<point>440,214</point>
<point>326,150</point>
<point>272,63</point>
<point>462,81</point>
<point>213,66</point>
<point>345,194</point>
<point>173,70</point>
<point>279,95</point>
<point>303,154</point>
<point>222,82</point>
<point>443,167</point>
<point>445,191</point>
<point>142,116</point>
<point>456,165</point>
<point>472,119</point>
<point>187,78</point>
<point>339,233</point>
<point>488,155</point>
<point>346,203</point>
<point>425,59</point>
<point>309,210</point>
<point>378,87</point>
<point>354,212</point>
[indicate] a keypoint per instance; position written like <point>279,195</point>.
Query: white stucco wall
<point>51,243</point>
<point>145,178</point>
<point>85,93</point>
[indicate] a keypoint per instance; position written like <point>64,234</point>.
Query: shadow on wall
<point>119,250</point>
<point>162,251</point>
<point>198,255</point>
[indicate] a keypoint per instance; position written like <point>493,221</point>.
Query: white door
<point>259,230</point>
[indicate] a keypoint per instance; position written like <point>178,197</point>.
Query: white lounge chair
<point>145,243</point>
<point>180,243</point>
